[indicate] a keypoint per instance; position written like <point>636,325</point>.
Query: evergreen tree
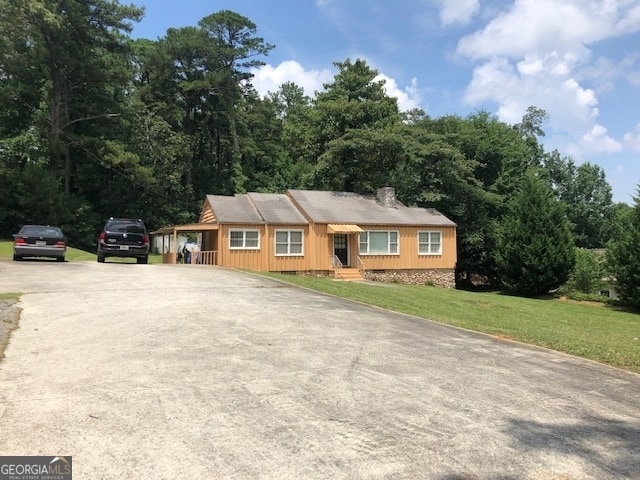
<point>535,249</point>
<point>356,138</point>
<point>623,257</point>
<point>74,53</point>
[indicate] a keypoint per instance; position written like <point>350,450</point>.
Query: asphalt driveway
<point>171,372</point>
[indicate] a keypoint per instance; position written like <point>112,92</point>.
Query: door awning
<point>343,228</point>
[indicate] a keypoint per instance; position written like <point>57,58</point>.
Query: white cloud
<point>597,141</point>
<point>536,52</point>
<point>530,66</point>
<point>573,109</point>
<point>457,11</point>
<point>408,98</point>
<point>583,97</point>
<point>268,79</point>
<point>539,26</point>
<point>498,81</point>
<point>632,140</point>
<point>631,22</point>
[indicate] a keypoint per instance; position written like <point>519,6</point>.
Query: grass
<point>595,331</point>
<point>76,255</point>
<point>9,296</point>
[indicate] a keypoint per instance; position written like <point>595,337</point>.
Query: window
<point>289,242</point>
<point>244,240</point>
<point>430,243</point>
<point>379,243</point>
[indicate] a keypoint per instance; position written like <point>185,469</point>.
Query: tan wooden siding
<point>318,250</point>
<point>322,244</point>
<point>290,263</point>
<point>408,257</point>
<point>207,216</point>
<point>243,259</point>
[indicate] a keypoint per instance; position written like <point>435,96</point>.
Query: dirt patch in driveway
<point>9,318</point>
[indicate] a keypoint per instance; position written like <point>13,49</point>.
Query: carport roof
<point>190,227</point>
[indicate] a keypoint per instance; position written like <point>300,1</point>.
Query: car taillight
<point>146,239</point>
<point>60,244</point>
<point>102,236</point>
<point>19,241</point>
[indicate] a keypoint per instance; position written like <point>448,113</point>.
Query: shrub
<point>588,273</point>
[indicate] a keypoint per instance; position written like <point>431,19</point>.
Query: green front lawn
<point>595,331</point>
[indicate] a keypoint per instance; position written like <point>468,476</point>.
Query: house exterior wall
<point>207,216</point>
<point>408,257</point>
<point>318,250</point>
<point>243,258</point>
<point>323,247</point>
<point>289,263</point>
<point>265,258</point>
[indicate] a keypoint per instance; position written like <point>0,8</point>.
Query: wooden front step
<point>348,274</point>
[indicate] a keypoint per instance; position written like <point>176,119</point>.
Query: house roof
<point>299,207</point>
<point>256,208</point>
<point>277,208</point>
<point>354,208</point>
<point>236,209</point>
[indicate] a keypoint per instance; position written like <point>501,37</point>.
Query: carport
<point>209,248</point>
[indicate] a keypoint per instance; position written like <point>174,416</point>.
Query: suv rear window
<point>125,227</point>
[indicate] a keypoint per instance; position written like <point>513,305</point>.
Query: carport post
<point>175,246</point>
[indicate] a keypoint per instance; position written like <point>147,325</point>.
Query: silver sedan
<point>39,241</point>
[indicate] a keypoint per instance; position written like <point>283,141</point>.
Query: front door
<point>341,248</point>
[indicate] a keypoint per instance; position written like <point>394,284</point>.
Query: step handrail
<point>360,266</point>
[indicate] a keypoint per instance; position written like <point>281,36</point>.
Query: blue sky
<point>577,59</point>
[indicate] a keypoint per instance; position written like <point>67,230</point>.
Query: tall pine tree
<point>623,257</point>
<point>535,248</point>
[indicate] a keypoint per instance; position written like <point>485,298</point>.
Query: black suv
<point>124,237</point>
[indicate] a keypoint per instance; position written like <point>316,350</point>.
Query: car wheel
<point>100,258</point>
<point>143,260</point>
<point>59,259</point>
<point>17,258</point>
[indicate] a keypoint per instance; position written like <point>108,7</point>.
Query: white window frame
<point>288,231</point>
<point>244,239</point>
<point>429,243</point>
<point>367,242</point>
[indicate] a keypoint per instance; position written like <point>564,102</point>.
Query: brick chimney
<point>386,197</point>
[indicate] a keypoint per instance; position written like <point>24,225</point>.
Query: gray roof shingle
<point>319,207</point>
<point>256,208</point>
<point>277,208</point>
<point>236,209</point>
<point>347,207</point>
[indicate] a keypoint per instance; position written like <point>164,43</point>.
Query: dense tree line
<point>97,124</point>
